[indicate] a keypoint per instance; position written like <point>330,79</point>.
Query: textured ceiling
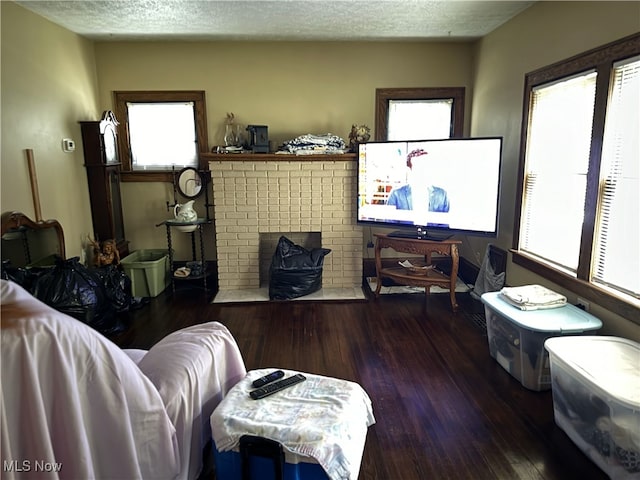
<point>390,20</point>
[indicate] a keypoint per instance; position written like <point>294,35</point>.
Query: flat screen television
<point>430,189</point>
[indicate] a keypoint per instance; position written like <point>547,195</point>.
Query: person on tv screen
<point>403,197</point>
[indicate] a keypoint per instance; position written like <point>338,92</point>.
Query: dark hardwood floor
<point>444,408</point>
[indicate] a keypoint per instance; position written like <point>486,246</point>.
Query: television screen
<point>430,188</point>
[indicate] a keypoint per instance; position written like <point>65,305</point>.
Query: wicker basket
<point>415,269</point>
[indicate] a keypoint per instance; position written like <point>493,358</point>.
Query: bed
<point>74,405</point>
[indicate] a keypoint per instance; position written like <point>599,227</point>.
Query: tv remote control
<point>276,386</point>
<point>262,381</point>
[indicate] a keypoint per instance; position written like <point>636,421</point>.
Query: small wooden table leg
<point>454,277</point>
<point>454,302</point>
<point>378,268</point>
<point>378,286</point>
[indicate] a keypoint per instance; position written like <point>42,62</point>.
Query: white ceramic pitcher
<point>185,212</point>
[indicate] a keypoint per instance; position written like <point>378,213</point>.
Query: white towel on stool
<point>322,418</point>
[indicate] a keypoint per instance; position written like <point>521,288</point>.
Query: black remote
<point>277,386</point>
<point>262,381</point>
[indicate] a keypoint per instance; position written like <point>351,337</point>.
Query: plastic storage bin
<point>321,425</point>
<point>596,399</point>
<point>229,466</point>
<point>148,271</point>
<point>516,337</point>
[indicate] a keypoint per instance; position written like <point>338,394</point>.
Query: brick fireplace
<point>284,194</point>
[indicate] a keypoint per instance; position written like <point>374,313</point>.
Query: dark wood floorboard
<point>444,408</point>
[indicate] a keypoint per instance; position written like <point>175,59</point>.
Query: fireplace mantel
<point>277,157</point>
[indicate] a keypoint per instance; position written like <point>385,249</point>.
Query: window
<point>162,135</point>
<point>160,131</point>
<point>419,113</point>
<point>419,119</point>
<point>559,128</point>
<point>618,223</point>
<point>578,215</point>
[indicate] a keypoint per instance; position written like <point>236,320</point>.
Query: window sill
<point>580,287</point>
<point>157,176</point>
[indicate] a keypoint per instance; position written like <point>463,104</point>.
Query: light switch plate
<point>68,145</point>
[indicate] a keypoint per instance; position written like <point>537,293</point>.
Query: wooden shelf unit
<point>419,247</point>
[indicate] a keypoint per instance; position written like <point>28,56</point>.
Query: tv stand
<point>418,235</point>
<point>421,247</point>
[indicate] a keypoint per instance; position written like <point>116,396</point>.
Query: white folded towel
<point>532,297</point>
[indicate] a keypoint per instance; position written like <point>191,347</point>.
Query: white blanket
<point>193,369</point>
<point>73,404</point>
<point>532,297</point>
<point>322,418</point>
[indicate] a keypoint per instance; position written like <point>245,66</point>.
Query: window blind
<point>557,160</point>
<point>616,260</point>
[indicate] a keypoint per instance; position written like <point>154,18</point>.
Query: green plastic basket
<point>148,271</point>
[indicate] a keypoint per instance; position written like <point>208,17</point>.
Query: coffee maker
<point>258,138</point>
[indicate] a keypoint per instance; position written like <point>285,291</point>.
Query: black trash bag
<point>23,276</point>
<point>117,287</point>
<point>295,271</point>
<point>72,288</point>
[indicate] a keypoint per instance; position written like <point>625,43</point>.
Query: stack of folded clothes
<point>309,144</point>
<point>532,297</point>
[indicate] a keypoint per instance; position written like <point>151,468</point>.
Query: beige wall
<point>48,83</point>
<point>294,88</point>
<point>543,34</point>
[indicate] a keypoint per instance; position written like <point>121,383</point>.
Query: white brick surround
<point>280,196</point>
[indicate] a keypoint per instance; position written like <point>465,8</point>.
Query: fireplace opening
<point>269,241</point>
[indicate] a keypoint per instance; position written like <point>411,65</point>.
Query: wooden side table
<point>198,225</point>
<point>419,247</point>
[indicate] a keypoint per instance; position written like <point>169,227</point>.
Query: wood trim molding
<point>383,95</point>
<point>580,287</point>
